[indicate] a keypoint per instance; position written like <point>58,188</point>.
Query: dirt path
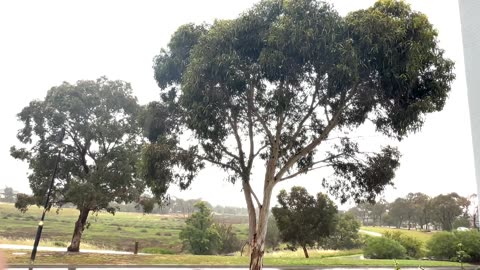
<point>60,249</point>
<point>370,233</point>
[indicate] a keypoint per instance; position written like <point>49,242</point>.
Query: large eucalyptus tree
<point>99,150</point>
<point>271,86</point>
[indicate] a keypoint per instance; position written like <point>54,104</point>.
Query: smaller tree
<point>229,241</point>
<point>200,235</point>
<point>399,211</point>
<point>94,125</point>
<point>378,211</point>
<point>303,219</point>
<point>9,195</point>
<point>445,209</point>
<point>345,235</point>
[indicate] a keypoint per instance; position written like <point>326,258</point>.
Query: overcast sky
<point>43,43</point>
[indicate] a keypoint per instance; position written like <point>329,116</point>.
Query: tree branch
<point>241,154</point>
<point>219,163</point>
<point>311,167</point>
<point>251,155</point>
<point>344,99</point>
<point>254,195</point>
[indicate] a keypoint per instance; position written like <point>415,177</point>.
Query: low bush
<point>59,244</point>
<point>383,248</point>
<point>411,245</point>
<point>444,245</point>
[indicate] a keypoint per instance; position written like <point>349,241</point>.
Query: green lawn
<point>422,236</point>
<point>118,232</point>
<point>330,259</point>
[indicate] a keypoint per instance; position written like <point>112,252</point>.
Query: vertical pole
<point>135,251</point>
<point>47,199</point>
<point>469,10</point>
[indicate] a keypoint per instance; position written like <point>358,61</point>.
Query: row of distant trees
<point>180,206</point>
<point>420,211</point>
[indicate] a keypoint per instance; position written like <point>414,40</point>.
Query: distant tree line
<point>178,206</point>
<point>420,211</point>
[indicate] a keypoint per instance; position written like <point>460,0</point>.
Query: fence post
<point>135,251</point>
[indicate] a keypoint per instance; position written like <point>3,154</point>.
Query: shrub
<point>383,248</point>
<point>143,230</point>
<point>444,245</point>
<point>59,244</point>
<point>411,245</point>
<point>229,242</point>
<point>470,241</point>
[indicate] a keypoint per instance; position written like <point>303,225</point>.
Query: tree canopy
<point>199,234</point>
<point>99,150</point>
<point>302,219</point>
<point>276,83</point>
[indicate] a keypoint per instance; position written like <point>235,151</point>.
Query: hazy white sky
<point>43,43</point>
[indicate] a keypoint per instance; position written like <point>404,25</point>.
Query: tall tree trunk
<point>305,251</point>
<point>78,231</point>
<point>258,241</point>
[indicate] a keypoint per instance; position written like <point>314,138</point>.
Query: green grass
<point>422,236</point>
<point>156,234</point>
<point>330,259</point>
<point>106,231</point>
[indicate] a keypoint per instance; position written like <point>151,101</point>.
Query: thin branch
<point>260,150</point>
<point>311,109</point>
<point>226,151</point>
<point>251,155</point>
<point>326,112</point>
<point>254,195</point>
<point>264,125</point>
<point>304,170</point>
<point>307,149</point>
<point>241,154</point>
<point>218,163</point>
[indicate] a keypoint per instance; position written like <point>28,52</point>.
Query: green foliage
<point>383,248</point>
<point>445,245</point>
<point>345,235</point>
<point>272,240</point>
<point>94,124</point>
<point>296,71</point>
<point>199,234</point>
<point>24,201</point>
<point>412,246</point>
<point>99,148</point>
<point>303,219</point>
<point>278,81</point>
<point>446,209</point>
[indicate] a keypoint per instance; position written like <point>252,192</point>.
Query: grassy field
<point>422,236</point>
<point>339,258</point>
<point>118,232</point>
